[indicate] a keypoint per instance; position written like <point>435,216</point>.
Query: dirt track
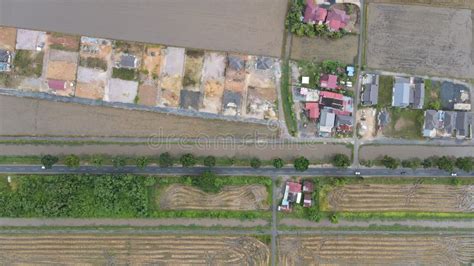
<point>250,26</point>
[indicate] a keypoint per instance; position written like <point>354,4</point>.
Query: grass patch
<point>28,63</point>
<point>92,62</point>
<point>351,216</point>
<point>405,123</point>
<point>124,73</point>
<point>432,95</point>
<point>385,91</point>
<point>287,100</point>
<point>20,159</point>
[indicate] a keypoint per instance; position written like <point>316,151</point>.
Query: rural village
<point>273,132</point>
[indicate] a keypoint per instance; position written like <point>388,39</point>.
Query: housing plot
<point>133,249</point>
<point>65,42</point>
<point>190,97</point>
<point>420,39</point>
<point>213,81</point>
<point>61,71</point>
<point>235,84</point>
<point>148,91</point>
<point>240,198</point>
<point>414,197</point>
<point>7,38</point>
<point>376,250</point>
<point>172,76</point>
<point>95,67</point>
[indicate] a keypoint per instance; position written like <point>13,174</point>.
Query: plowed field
<point>131,250</point>
<point>376,250</point>
<point>414,197</point>
<point>251,197</point>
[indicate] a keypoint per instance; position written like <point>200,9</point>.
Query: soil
<point>152,61</point>
<point>65,41</point>
<point>343,50</point>
<point>213,93</point>
<point>441,3</point>
<point>24,116</point>
<point>193,70</point>
<point>93,90</point>
<point>369,122</point>
<point>375,250</point>
<point>236,198</point>
<point>170,90</point>
<point>61,70</point>
<point>7,38</point>
<point>416,197</point>
<point>106,249</point>
<point>147,95</point>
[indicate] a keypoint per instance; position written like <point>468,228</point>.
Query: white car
<point>454,174</point>
<point>357,173</point>
<point>43,167</point>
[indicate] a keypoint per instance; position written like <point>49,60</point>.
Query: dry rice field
<point>376,250</point>
<point>241,198</point>
<point>75,249</point>
<point>414,197</point>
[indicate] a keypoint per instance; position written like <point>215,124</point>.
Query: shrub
<point>255,163</point>
<point>124,73</point>
<point>445,163</point>
<point>333,217</point>
<point>72,161</point>
<point>187,160</point>
<point>93,62</point>
<point>142,162</point>
<point>278,163</point>
<point>341,160</point>
<point>428,162</point>
<point>150,181</point>
<point>455,181</point>
<point>48,161</point>
<point>411,163</point>
<point>210,161</point>
<point>390,162</point>
<point>206,182</point>
<point>301,164</point>
<point>119,161</point>
<point>165,160</point>
<point>97,160</point>
<point>465,163</point>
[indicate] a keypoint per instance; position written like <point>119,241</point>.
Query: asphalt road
<point>231,171</point>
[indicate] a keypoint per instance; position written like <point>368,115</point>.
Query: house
<point>313,110</point>
<point>431,123</point>
<point>328,81</point>
<point>337,19</point>
<point>264,63</point>
<point>291,195</point>
<point>344,123</point>
<point>455,97</point>
<point>5,60</point>
<point>305,80</point>
<point>331,100</point>
<point>447,124</point>
<point>236,63</point>
<point>307,200</point>
<point>308,186</point>
<point>408,92</point>
<point>350,71</point>
<point>128,61</point>
<point>314,14</point>
<point>383,118</point>
<point>370,93</point>
<point>309,95</point>
<point>326,123</point>
<point>55,84</point>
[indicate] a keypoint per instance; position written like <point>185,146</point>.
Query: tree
<point>411,163</point>
<point>278,163</point>
<point>334,218</point>
<point>48,161</point>
<point>165,160</point>
<point>97,160</point>
<point>72,161</point>
<point>445,163</point>
<point>428,162</point>
<point>255,163</point>
<point>341,161</point>
<point>313,214</point>
<point>142,162</point>
<point>206,182</point>
<point>465,163</point>
<point>455,181</point>
<point>187,160</point>
<point>210,161</point>
<point>301,164</point>
<point>119,161</point>
<point>390,162</point>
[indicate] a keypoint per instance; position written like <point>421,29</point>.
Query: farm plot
<point>376,250</point>
<point>398,36</point>
<point>83,249</point>
<point>414,197</point>
<point>213,81</point>
<point>239,198</point>
<point>172,76</point>
<point>7,38</point>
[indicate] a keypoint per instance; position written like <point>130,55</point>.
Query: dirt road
<point>371,152</point>
<point>249,26</point>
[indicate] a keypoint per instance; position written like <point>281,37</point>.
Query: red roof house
<point>313,109</point>
<point>57,84</point>
<point>294,187</point>
<point>308,186</point>
<point>337,19</point>
<point>331,95</point>
<point>314,13</point>
<point>328,81</point>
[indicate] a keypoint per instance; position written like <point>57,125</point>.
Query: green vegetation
<point>207,182</point>
<point>142,162</point>
<point>341,161</point>
<point>405,123</point>
<point>432,95</point>
<point>72,161</point>
<point>390,162</point>
<point>92,62</point>
<point>124,73</point>
<point>210,161</point>
<point>165,160</point>
<point>188,160</point>
<point>413,163</point>
<point>255,163</point>
<point>299,28</point>
<point>28,63</point>
<point>465,163</point>
<point>287,99</point>
<point>385,91</point>
<point>97,160</point>
<point>119,161</point>
<point>6,80</point>
<point>314,70</point>
<point>301,164</point>
<point>445,163</point>
<point>278,163</point>
<point>49,160</point>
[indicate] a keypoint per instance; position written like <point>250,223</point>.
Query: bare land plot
<point>193,70</point>
<point>372,152</point>
<point>62,41</point>
<point>91,83</point>
<point>318,49</point>
<point>24,116</point>
<point>236,198</point>
<point>376,250</point>
<point>213,81</point>
<point>30,39</point>
<point>7,38</point>
<point>414,197</point>
<point>172,76</point>
<point>147,95</point>
<point>123,91</point>
<point>442,3</point>
<point>420,40</point>
<point>82,249</point>
<point>248,26</point>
